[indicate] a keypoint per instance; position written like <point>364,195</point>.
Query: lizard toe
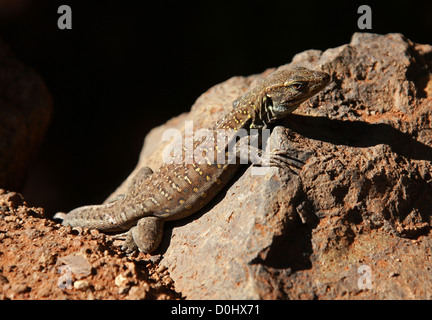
<point>129,244</point>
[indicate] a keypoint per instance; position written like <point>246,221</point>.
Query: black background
<point>126,67</point>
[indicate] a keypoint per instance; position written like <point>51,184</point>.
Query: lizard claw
<point>129,244</point>
<point>280,157</point>
<point>60,216</point>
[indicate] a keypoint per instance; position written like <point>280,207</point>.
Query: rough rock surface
<point>25,111</point>
<point>361,202</point>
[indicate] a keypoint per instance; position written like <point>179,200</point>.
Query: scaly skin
<point>178,190</point>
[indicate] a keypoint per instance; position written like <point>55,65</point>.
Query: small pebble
<point>81,285</point>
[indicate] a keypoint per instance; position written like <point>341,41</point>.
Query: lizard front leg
<point>275,156</point>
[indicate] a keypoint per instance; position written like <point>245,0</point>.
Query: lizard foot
<point>145,236</point>
<point>280,158</point>
<point>129,244</point>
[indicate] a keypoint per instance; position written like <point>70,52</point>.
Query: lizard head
<point>285,90</point>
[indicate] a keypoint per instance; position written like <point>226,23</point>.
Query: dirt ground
<point>40,259</point>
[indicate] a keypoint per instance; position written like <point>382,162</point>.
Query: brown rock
<point>360,204</point>
<point>81,285</point>
<point>25,110</point>
<point>138,293</point>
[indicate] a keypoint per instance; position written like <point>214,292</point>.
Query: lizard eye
<point>297,85</point>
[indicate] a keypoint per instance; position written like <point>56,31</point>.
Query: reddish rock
<point>39,260</point>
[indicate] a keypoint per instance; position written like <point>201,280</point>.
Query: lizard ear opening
<point>266,110</point>
<point>267,101</point>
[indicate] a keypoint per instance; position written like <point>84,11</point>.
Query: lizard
<point>177,190</point>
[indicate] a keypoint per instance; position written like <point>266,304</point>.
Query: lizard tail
<point>98,217</point>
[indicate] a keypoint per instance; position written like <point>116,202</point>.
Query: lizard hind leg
<point>141,175</point>
<point>145,236</point>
